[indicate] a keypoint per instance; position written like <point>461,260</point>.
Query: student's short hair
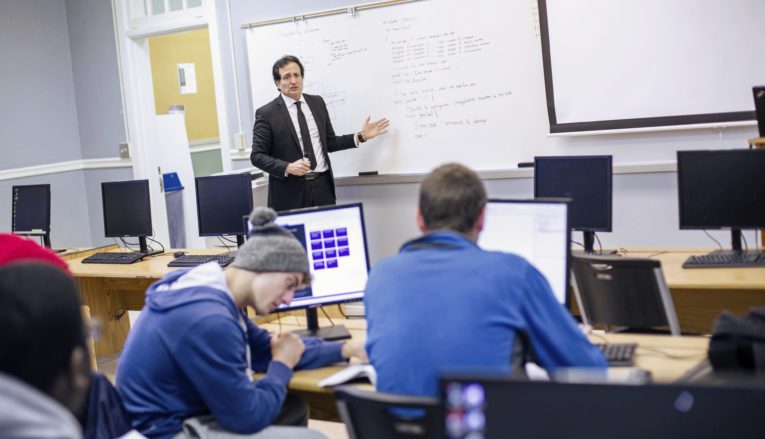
<point>451,198</point>
<point>283,61</point>
<point>40,322</point>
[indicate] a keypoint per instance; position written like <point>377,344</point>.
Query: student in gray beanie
<point>186,370</point>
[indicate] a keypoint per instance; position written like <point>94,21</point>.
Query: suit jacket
<point>275,145</point>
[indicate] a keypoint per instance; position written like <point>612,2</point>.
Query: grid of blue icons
<point>328,246</point>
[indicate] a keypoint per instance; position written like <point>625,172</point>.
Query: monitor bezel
<point>44,231</point>
<point>359,295</point>
<point>557,201</point>
<point>145,185</point>
<point>243,176</point>
<point>610,187</point>
<point>680,173</point>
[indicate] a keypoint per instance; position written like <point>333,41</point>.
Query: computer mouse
<point>178,254</point>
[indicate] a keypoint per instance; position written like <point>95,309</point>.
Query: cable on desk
<point>151,249</point>
<point>127,244</point>
<point>746,244</point>
<point>670,356</point>
<point>342,311</point>
<point>600,246</point>
<point>221,239</point>
<point>577,243</point>
<point>713,239</point>
<point>656,254</point>
<point>327,316</point>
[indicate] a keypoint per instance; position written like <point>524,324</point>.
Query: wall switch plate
<point>124,150</point>
<point>239,142</point>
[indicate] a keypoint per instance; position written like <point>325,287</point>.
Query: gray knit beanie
<point>271,248</point>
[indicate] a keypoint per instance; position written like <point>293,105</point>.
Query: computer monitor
<point>537,230</point>
<point>30,211</point>
<point>587,180</point>
<point>127,210</point>
<point>494,407</point>
<point>336,242</point>
<point>222,200</point>
<point>759,108</point>
<point>722,189</point>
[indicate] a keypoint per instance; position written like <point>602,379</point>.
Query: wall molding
<point>68,166</point>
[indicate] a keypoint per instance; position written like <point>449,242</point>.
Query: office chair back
<point>370,415</point>
<point>621,291</point>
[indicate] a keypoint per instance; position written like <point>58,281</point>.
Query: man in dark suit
<point>292,139</point>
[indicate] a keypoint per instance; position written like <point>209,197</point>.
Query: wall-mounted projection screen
<point>648,63</point>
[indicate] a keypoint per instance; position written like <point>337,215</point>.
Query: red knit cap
<point>14,248</point>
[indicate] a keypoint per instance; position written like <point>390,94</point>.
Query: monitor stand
<point>331,333</point>
<point>145,248</point>
<point>736,247</point>
<point>589,245</point>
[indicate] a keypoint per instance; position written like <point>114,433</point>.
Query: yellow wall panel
<point>166,52</point>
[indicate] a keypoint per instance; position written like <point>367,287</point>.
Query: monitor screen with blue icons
<point>335,239</point>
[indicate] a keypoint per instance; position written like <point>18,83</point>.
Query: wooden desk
<point>112,290</point>
<point>701,294</point>
<point>668,358</point>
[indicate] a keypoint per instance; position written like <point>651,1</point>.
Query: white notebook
<point>352,372</point>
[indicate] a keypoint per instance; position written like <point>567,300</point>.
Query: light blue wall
<point>38,112</point>
<point>69,217</point>
<point>60,101</point>
<point>96,77</point>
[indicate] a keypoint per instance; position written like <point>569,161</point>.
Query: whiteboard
<point>632,63</point>
<point>460,81</point>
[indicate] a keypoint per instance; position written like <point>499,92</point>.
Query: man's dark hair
<point>451,198</point>
<point>40,322</point>
<point>283,61</point>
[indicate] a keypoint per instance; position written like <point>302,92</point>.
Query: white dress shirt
<point>313,130</point>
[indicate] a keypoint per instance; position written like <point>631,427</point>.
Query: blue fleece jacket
<point>186,356</point>
<point>445,305</point>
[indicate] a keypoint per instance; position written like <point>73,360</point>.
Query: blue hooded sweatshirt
<point>187,356</point>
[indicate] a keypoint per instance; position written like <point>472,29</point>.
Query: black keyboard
<point>618,354</point>
<point>726,259</point>
<point>114,258</point>
<point>193,260</point>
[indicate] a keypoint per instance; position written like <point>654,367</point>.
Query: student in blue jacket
<point>188,361</point>
<point>444,304</point>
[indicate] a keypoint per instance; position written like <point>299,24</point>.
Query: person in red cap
<point>14,248</point>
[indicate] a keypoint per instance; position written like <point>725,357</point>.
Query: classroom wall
<point>60,101</point>
<point>645,204</point>
<point>70,222</point>
<point>96,78</point>
<point>38,110</point>
<point>644,213</point>
<point>80,104</point>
